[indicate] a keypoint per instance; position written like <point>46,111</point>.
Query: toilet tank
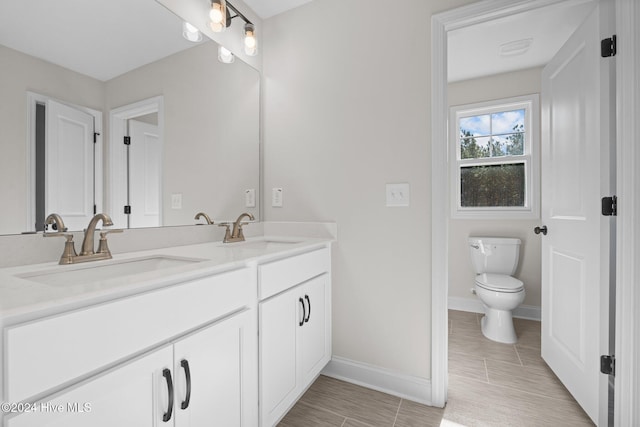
<point>494,254</point>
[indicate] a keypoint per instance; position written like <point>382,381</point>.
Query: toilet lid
<point>499,282</point>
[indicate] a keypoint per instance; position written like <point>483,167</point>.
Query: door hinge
<point>608,47</point>
<point>608,364</point>
<point>127,140</point>
<point>610,206</point>
<point>95,209</point>
<point>127,210</point>
<point>95,137</point>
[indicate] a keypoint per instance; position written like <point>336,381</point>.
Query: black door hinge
<point>608,47</point>
<point>127,209</point>
<point>127,140</point>
<point>608,365</point>
<point>610,206</point>
<point>95,209</point>
<point>95,137</point>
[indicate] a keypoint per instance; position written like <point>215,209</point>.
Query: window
<point>495,170</point>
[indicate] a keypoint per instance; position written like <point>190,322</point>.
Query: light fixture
<point>218,15</point>
<point>250,42</point>
<point>191,33</point>
<point>221,18</point>
<point>225,55</point>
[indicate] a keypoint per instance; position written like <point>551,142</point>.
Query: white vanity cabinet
<point>294,329</point>
<point>201,364</point>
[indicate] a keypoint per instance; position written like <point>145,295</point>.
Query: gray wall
<point>346,110</point>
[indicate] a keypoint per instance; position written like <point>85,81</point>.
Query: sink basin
<point>93,272</point>
<point>264,244</point>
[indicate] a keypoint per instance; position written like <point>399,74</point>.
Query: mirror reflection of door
<point>65,164</point>
<point>144,171</point>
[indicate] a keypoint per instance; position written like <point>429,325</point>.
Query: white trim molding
<point>404,386</point>
<point>627,383</point>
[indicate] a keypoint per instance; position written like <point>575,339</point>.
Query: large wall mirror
<point>107,104</point>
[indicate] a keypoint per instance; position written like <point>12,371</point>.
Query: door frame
<point>118,118</point>
<point>627,386</point>
<point>33,99</point>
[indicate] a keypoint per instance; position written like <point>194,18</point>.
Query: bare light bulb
<point>218,15</point>
<point>250,42</point>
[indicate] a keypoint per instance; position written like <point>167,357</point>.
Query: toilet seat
<point>499,283</point>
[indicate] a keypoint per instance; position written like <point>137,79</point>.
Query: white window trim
<point>531,159</point>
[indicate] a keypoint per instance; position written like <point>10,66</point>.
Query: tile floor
<point>490,384</point>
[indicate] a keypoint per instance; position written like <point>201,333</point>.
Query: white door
<point>575,175</point>
<point>145,175</point>
<point>70,184</point>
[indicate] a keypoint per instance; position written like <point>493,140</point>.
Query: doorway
<point>135,172</point>
<point>442,24</point>
<point>64,162</point>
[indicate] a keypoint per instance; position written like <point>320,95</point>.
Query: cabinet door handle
<point>184,363</point>
<point>309,305</point>
<point>167,415</point>
<point>304,311</point>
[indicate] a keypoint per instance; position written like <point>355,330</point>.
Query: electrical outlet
<point>176,201</point>
<point>250,198</point>
<point>276,197</point>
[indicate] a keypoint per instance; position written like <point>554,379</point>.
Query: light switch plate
<point>398,194</point>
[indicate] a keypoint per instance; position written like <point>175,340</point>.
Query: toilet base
<point>497,325</point>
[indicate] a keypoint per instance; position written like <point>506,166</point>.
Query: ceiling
<point>268,8</point>
<point>474,51</point>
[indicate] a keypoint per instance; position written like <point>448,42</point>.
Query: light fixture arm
<point>238,13</point>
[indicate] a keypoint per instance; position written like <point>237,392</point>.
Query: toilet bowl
<point>495,260</point>
<point>500,295</point>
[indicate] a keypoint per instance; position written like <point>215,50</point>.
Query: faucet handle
<point>69,253</point>
<point>103,247</point>
<point>227,233</point>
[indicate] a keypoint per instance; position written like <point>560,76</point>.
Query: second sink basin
<point>92,272</point>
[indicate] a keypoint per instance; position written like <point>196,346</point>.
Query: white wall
<point>346,110</point>
<point>461,274</point>
<point>21,73</point>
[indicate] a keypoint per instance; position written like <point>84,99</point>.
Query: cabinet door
<point>315,340</point>
<point>216,378</point>
<point>132,395</point>
<point>280,317</point>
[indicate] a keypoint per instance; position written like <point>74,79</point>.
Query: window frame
<point>530,158</point>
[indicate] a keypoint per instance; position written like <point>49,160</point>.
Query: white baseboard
<point>404,386</point>
<point>530,312</point>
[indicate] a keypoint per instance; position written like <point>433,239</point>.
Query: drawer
<point>46,353</point>
<point>278,276</point>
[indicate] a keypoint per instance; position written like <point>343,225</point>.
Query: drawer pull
<point>304,311</point>
<point>184,363</point>
<point>309,305</point>
<point>167,415</point>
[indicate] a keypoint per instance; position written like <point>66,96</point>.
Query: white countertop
<point>22,299</point>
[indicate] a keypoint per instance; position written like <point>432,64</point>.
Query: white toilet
<point>495,260</point>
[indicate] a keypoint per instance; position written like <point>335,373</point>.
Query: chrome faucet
<point>237,235</point>
<point>205,216</point>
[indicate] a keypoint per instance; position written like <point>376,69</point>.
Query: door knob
<point>542,230</point>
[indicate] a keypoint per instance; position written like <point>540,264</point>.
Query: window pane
<point>475,126</point>
<point>475,147</point>
<point>507,122</point>
<point>511,144</point>
<point>492,186</point>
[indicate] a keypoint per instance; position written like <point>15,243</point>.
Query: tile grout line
<point>486,369</point>
<point>397,412</point>
<point>343,422</point>
<point>518,354</point>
